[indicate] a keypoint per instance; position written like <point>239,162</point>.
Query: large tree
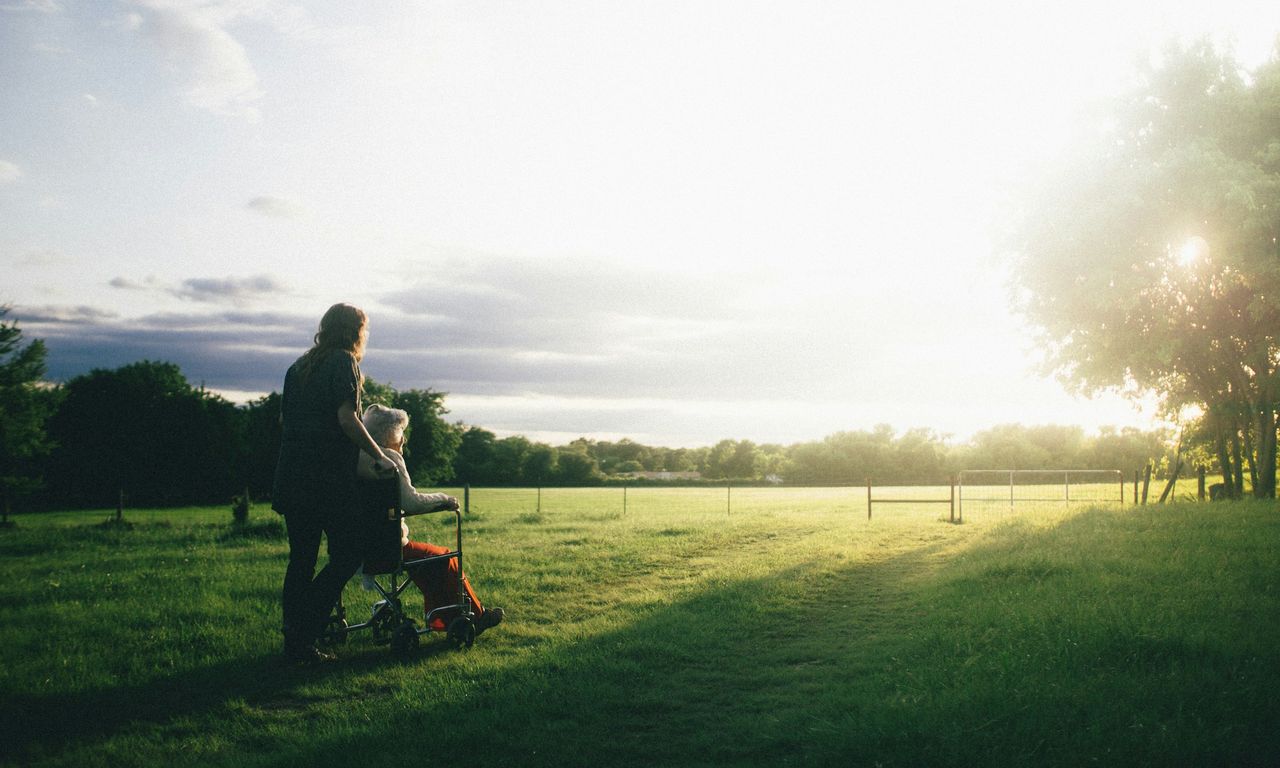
<point>143,431</point>
<point>1150,259</point>
<point>24,407</point>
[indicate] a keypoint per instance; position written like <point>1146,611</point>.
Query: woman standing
<point>316,474</point>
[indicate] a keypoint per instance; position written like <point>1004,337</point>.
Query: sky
<point>677,222</point>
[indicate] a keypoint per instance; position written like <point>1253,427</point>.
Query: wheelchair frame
<point>389,623</point>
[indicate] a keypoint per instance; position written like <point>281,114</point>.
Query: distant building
<point>660,475</point>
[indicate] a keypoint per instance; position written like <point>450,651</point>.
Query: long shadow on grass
<point>46,725</point>
<point>740,674</point>
<point>629,679</point>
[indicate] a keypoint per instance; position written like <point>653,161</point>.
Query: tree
<point>576,467</point>
<point>1151,263</point>
<point>718,460</point>
<point>539,465</point>
<point>143,431</point>
<point>918,456</point>
<point>509,456</point>
<point>24,408</point>
<point>476,457</point>
<point>1127,449</point>
<point>431,443</point>
<point>745,462</point>
<point>262,433</point>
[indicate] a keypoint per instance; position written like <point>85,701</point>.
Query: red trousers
<point>438,580</point>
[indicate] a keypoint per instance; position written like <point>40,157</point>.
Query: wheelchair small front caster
<point>461,632</point>
<point>405,638</point>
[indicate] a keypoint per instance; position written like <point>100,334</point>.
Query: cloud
<point>124,283</point>
<point>275,206</point>
<point>234,351</point>
<point>220,77</point>
<point>505,376</point>
<point>9,173</point>
<point>228,288</point>
<point>50,315</point>
<point>234,290</point>
<point>577,328</point>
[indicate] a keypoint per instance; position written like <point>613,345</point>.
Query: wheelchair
<point>381,512</point>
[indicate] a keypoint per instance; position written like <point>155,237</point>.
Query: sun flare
<point>1195,249</point>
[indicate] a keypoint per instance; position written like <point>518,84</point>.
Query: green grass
<point>772,627</point>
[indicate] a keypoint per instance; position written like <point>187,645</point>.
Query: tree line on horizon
<point>141,435</point>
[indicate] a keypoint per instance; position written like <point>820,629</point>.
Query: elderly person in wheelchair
<point>437,579</point>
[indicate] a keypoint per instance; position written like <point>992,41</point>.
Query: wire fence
<point>695,502</point>
<point>1003,492</point>
<point>972,495</point>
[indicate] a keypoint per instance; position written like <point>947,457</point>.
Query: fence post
<point>868,498</point>
<point>624,500</point>
<point>1135,487</point>
<point>466,499</point>
<point>1200,483</point>
<point>539,500</point>
<point>1146,481</point>
<point>728,497</point>
<point>953,498</point>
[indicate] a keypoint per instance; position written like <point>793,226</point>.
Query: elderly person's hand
<point>384,466</point>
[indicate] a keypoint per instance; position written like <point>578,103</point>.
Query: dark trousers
<point>309,596</point>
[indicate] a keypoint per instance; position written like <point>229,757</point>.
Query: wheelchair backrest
<point>380,514</point>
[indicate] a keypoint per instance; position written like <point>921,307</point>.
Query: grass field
<point>772,627</point>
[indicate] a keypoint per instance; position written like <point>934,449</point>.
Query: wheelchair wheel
<point>384,625</point>
<point>461,632</point>
<point>335,632</point>
<point>404,640</point>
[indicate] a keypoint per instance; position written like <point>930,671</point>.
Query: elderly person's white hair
<point>385,425</point>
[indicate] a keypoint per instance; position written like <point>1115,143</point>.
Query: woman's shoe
<point>307,654</point>
<point>490,618</point>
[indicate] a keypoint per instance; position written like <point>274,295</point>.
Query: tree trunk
<point>1237,483</point>
<point>1167,495</point>
<point>1251,458</point>
<point>1264,467</point>
<point>1224,456</point>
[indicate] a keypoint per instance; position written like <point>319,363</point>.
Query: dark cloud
<point>125,284</point>
<point>236,290</point>
<point>48,315</point>
<point>234,351</point>
<point>584,329</point>
<point>228,288</point>
<point>564,330</point>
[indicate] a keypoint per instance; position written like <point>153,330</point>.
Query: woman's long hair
<point>344,328</point>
